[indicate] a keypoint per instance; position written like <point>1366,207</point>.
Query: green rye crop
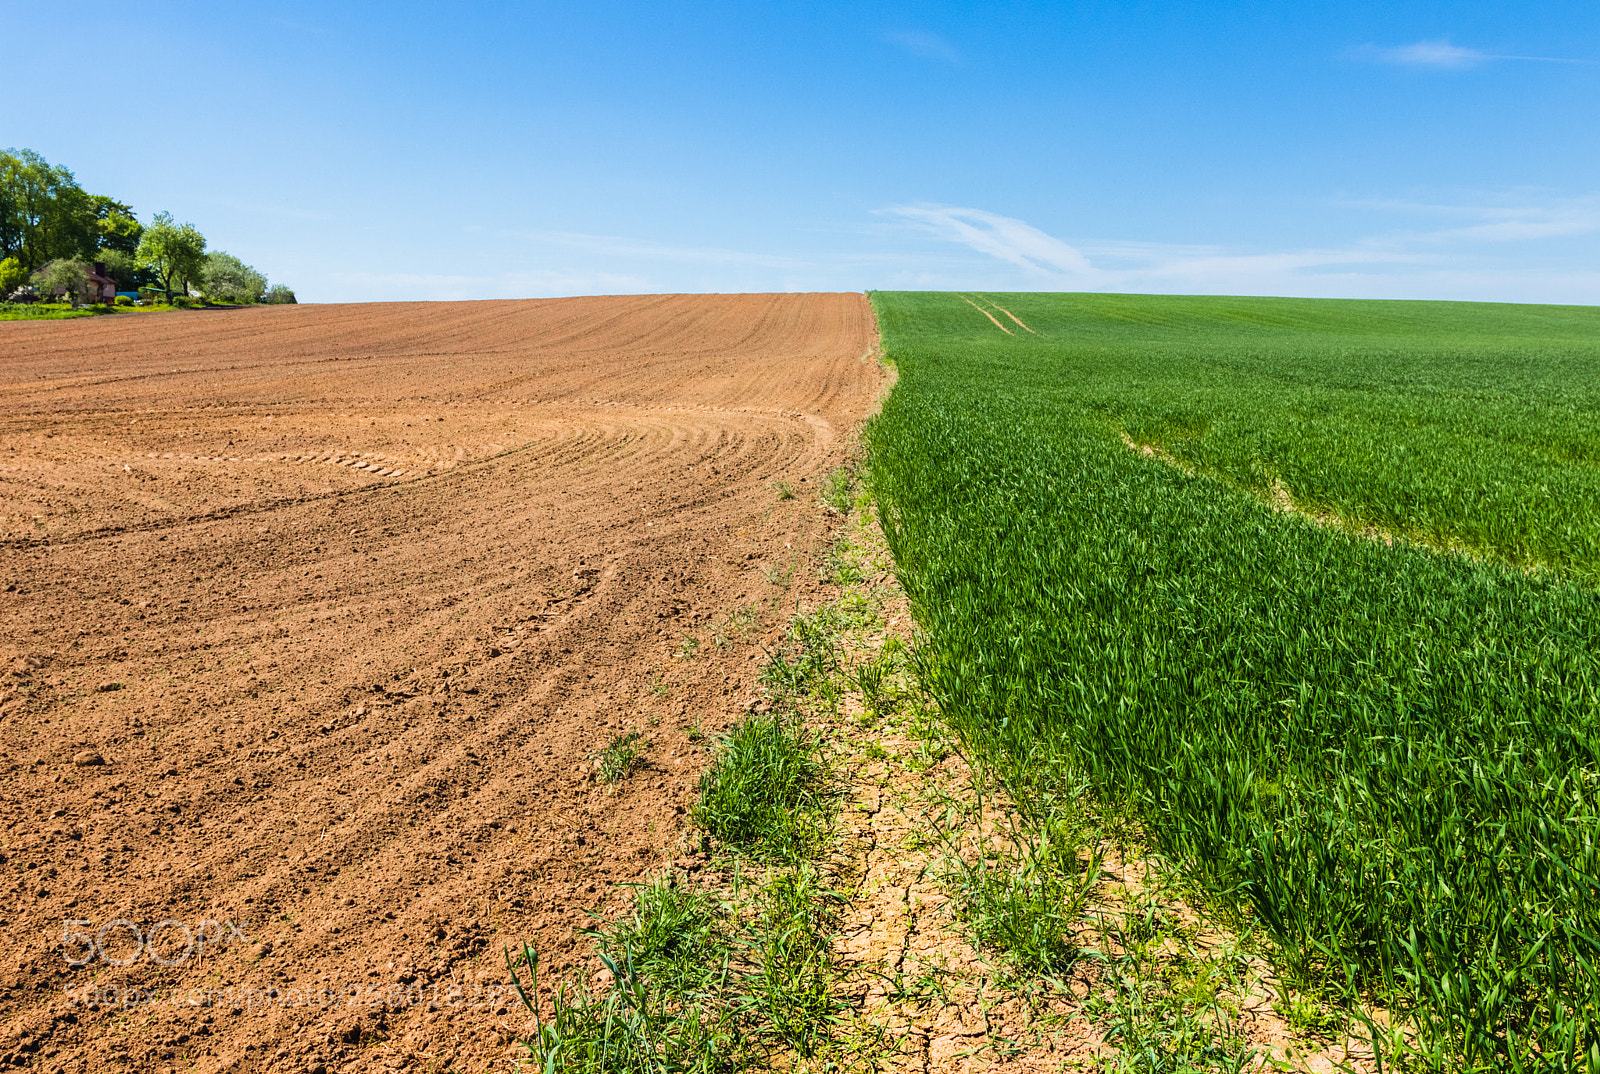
<point>1306,591</point>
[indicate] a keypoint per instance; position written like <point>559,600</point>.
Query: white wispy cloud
<point>1439,263</point>
<point>1505,220</point>
<point>1441,54</point>
<point>929,46</point>
<point>1521,227</point>
<point>998,236</point>
<point>1437,53</point>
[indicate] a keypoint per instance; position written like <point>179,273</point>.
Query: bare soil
<point>312,620</point>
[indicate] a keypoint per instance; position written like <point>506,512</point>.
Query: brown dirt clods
<point>313,620</point>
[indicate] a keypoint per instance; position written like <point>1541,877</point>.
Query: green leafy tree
<point>175,253</point>
<point>123,268</point>
<point>65,275</point>
<point>11,214</point>
<point>280,295</point>
<point>12,276</point>
<point>225,278</point>
<point>118,228</point>
<point>44,213</point>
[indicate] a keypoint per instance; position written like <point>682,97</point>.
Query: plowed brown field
<point>313,619</point>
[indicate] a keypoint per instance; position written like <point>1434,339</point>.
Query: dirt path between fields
<point>312,620</point>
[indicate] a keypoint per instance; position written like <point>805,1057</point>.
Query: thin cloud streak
<point>1440,54</point>
<point>1423,264</point>
<point>998,236</point>
<point>928,46</point>
<point>1558,218</point>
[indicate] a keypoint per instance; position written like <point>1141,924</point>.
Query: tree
<point>12,276</point>
<point>174,252</point>
<point>44,213</point>
<point>122,268</point>
<point>46,216</point>
<point>279,294</point>
<point>118,228</point>
<point>66,275</point>
<point>227,278</point>
<point>11,216</point>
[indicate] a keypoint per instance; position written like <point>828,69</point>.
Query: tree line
<point>51,230</point>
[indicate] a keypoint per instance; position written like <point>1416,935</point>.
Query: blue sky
<point>499,150</point>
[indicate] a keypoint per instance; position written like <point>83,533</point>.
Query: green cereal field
<point>1304,592</point>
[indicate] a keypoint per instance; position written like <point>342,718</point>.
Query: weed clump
<point>697,984</point>
<point>1025,899</point>
<point>763,794</point>
<point>1170,1005</point>
<point>632,1028</point>
<point>676,935</point>
<point>839,489</point>
<point>619,757</point>
<point>791,988</point>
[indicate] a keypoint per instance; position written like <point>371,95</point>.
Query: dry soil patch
<point>312,618</point>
